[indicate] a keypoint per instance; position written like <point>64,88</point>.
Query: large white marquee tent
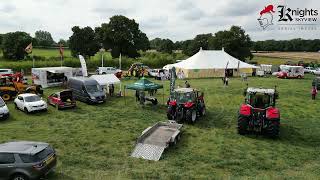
<point>212,63</point>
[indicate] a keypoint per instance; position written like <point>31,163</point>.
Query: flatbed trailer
<point>155,139</point>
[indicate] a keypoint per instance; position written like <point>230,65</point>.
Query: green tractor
<point>258,114</point>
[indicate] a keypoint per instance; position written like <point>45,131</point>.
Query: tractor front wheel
<point>6,96</point>
<point>243,124</point>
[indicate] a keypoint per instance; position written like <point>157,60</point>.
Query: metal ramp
<point>148,151</point>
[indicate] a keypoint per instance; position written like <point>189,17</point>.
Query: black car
<point>24,160</point>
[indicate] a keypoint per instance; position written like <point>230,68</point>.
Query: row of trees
<point>120,35</point>
<point>13,44</point>
<point>287,45</point>
<point>234,41</point>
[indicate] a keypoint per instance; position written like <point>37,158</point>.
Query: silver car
<point>23,160</point>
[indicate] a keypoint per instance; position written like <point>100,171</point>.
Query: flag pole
<point>120,70</point>
<point>32,59</point>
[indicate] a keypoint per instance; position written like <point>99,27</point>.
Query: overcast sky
<point>173,19</point>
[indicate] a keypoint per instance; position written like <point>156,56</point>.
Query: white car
<point>6,71</point>
<point>107,70</point>
<point>30,103</point>
<point>309,70</point>
<point>316,72</point>
<point>4,111</point>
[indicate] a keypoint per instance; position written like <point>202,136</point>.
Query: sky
<point>173,19</point>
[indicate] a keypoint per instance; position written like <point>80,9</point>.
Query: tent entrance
<point>229,72</point>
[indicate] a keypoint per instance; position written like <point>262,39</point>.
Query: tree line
<point>287,45</point>
<point>234,41</point>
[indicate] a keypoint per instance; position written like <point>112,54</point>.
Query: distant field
<point>291,55</point>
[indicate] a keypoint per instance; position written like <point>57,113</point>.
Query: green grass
<point>94,142</point>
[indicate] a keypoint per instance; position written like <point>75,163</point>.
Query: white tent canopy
<point>212,59</point>
<point>106,79</point>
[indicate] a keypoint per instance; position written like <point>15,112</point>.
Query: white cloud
<point>177,20</point>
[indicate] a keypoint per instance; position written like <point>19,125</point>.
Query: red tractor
<point>186,104</point>
<point>258,113</point>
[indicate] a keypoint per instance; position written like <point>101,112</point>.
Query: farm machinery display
<point>137,70</point>
<point>186,104</point>
<point>13,84</point>
<point>258,113</point>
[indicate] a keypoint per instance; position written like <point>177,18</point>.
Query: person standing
<point>226,81</point>
<point>314,92</point>
<point>187,84</point>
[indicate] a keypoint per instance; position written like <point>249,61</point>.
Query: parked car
<point>4,111</point>
<point>26,160</point>
<point>152,72</point>
<point>86,90</point>
<point>316,72</point>
<point>63,99</point>
<point>109,70</point>
<point>30,103</point>
<point>308,70</point>
<point>6,71</point>
<point>316,83</point>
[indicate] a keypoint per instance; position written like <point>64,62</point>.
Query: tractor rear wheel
<point>170,113</point>
<point>202,111</point>
<point>243,123</point>
<point>273,128</point>
<point>191,115</point>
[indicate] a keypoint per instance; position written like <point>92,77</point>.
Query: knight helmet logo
<point>266,17</point>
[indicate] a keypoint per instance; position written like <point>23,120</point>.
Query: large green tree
<point>234,41</point>
<point>162,45</point>
<point>14,44</point>
<point>44,38</point>
<point>193,46</point>
<point>83,41</point>
<point>122,35</point>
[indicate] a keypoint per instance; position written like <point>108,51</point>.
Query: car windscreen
<point>2,103</point>
<point>184,97</point>
<point>93,88</point>
<point>42,155</point>
<point>32,98</point>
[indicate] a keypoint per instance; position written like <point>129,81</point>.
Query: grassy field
<point>94,142</point>
<point>278,58</point>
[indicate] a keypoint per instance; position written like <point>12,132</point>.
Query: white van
<point>4,111</point>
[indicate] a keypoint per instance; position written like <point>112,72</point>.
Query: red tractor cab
<point>62,100</point>
<point>186,104</point>
<point>258,113</point>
